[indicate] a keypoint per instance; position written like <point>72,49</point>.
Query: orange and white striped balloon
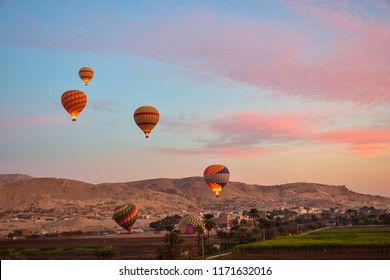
<point>74,101</point>
<point>86,74</point>
<point>146,117</point>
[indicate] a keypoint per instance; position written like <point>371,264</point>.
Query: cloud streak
<point>255,134</point>
<point>336,52</point>
<point>223,150</point>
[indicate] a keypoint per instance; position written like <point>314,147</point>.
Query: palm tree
<point>254,214</point>
<point>209,224</point>
<point>223,235</point>
<point>172,239</point>
<point>267,226</point>
<point>200,231</point>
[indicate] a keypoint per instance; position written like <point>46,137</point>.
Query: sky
<point>277,91</point>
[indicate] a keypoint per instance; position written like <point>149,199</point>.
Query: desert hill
<point>14,177</point>
<point>56,204</point>
<point>176,195</point>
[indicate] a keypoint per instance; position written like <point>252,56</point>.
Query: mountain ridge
<point>168,194</point>
<point>50,205</point>
<point>14,177</point>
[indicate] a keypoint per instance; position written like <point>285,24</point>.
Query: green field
<point>344,239</point>
<point>49,249</point>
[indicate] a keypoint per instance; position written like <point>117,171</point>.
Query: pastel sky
<point>278,91</point>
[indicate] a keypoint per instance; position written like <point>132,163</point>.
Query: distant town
<point>296,220</point>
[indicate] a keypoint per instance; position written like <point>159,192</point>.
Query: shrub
<point>15,254</point>
<point>106,253</point>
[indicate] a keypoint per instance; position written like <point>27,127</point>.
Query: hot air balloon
<point>74,102</point>
<point>126,215</point>
<point>86,74</point>
<point>188,224</point>
<point>146,117</point>
<point>216,177</point>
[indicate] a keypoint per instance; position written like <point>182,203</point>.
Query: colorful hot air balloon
<point>216,177</point>
<point>188,224</point>
<point>146,117</point>
<point>74,102</point>
<point>86,74</point>
<point>126,215</point>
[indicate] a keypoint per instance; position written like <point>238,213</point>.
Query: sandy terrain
<point>68,225</point>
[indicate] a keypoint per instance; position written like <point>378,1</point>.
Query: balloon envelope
<point>126,215</point>
<point>188,224</point>
<point>74,101</point>
<point>146,117</point>
<point>86,74</point>
<point>216,177</point>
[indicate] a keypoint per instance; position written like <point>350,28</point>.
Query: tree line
<point>259,226</point>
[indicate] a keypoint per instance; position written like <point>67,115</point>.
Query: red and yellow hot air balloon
<point>74,102</point>
<point>146,117</point>
<point>216,177</point>
<point>126,215</point>
<point>86,74</point>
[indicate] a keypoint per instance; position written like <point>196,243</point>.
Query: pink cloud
<point>345,60</point>
<point>363,142</point>
<point>366,150</point>
<point>356,136</point>
<point>254,134</point>
<point>355,68</point>
<point>289,125</point>
<point>337,52</point>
